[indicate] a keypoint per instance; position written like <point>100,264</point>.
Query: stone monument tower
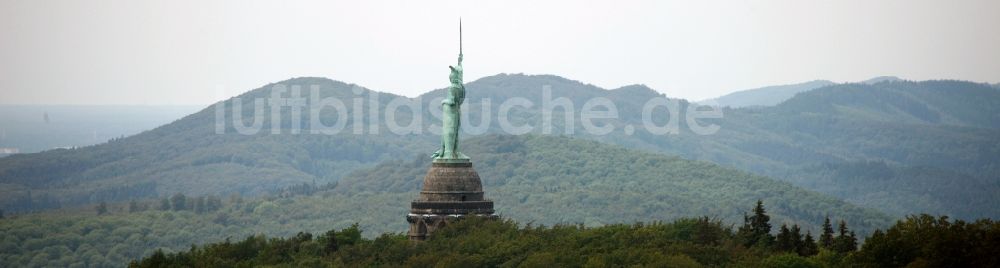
<point>452,188</point>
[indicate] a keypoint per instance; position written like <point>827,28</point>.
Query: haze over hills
<point>766,96</point>
<point>879,79</point>
<point>34,128</point>
<point>944,102</point>
<point>773,95</point>
<point>864,153</point>
<point>188,156</point>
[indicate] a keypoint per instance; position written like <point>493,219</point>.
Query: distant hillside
<point>766,96</point>
<point>773,95</point>
<point>932,102</point>
<point>823,150</point>
<point>34,128</point>
<point>880,79</point>
<point>878,146</point>
<point>188,156</point>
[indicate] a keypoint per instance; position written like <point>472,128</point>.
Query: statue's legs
<point>458,126</point>
<point>449,131</point>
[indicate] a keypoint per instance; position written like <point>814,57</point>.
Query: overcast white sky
<point>180,52</point>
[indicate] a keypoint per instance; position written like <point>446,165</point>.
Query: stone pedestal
<point>452,190</point>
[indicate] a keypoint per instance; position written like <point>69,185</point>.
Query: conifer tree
<point>842,229</point>
<point>796,238</point>
<point>846,241</point>
<point>851,243</point>
<point>756,229</point>
<point>809,247</point>
<point>744,232</point>
<point>760,222</point>
<point>826,239</point>
<point>784,240</point>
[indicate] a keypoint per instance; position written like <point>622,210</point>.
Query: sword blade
<point>459,35</point>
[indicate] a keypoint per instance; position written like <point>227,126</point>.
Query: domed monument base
<point>452,190</point>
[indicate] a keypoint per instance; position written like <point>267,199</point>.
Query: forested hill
<point>944,102</point>
<point>766,96</point>
<point>901,147</point>
<point>541,180</point>
<point>865,156</point>
<point>551,179</point>
<point>773,95</point>
<point>188,156</point>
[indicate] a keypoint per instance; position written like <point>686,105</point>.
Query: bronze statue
<point>451,110</point>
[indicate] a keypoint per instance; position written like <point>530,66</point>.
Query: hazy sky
<point>182,52</point>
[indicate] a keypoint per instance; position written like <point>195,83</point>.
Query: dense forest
<point>900,147</point>
<point>596,184</point>
<point>917,241</point>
